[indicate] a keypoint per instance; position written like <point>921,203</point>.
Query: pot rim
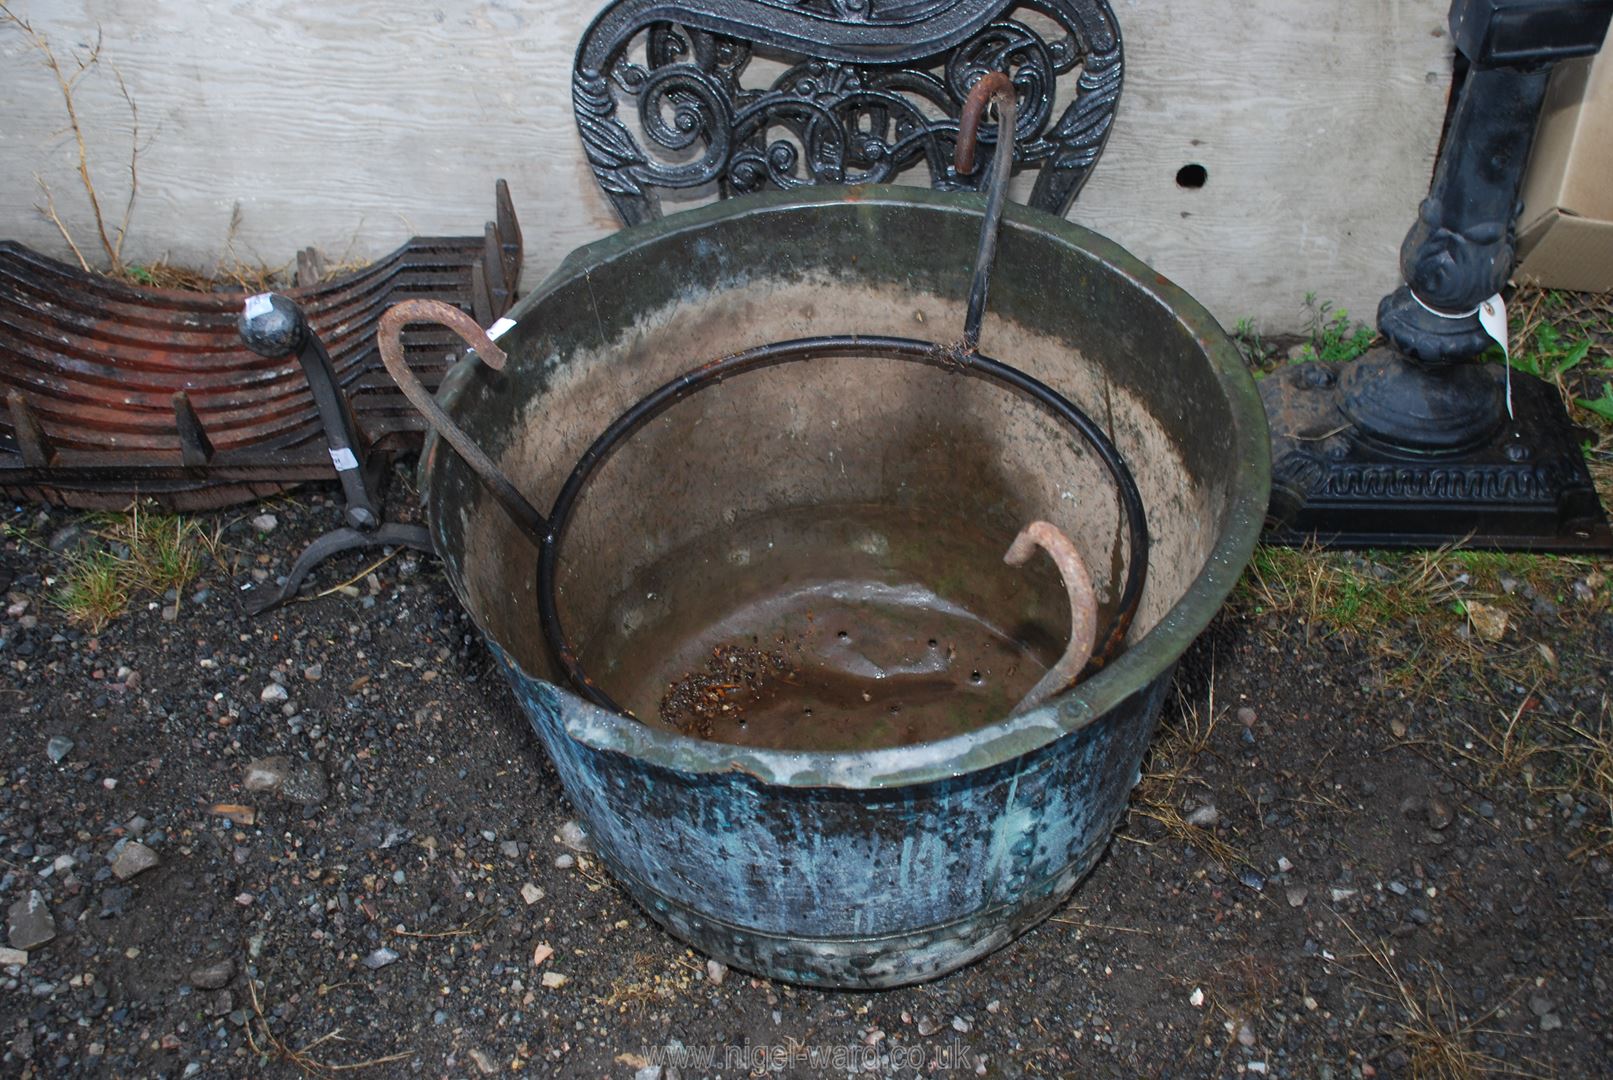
<point>1132,672</point>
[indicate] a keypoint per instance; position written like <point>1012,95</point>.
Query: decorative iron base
<point>1523,488</point>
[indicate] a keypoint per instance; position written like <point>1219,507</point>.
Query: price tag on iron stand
<point>1493,317</point>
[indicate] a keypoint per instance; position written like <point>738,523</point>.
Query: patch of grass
<point>1334,338</point>
<point>1602,406</point>
<point>1346,593</point>
<point>1566,339</point>
<point>140,553</point>
<point>94,590</point>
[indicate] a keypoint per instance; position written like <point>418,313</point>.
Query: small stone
<point>1246,716</point>
<point>214,976</point>
<point>995,1005</point>
<point>541,952</point>
<point>650,1072</point>
<point>380,958</point>
<point>484,1064</point>
<point>575,837</point>
<point>135,858</point>
<point>1340,895</point>
<point>274,694</point>
<point>314,672</point>
<point>1489,623</point>
<point>1398,888</point>
<point>1539,1004</point>
<point>170,613</point>
<point>531,893</point>
<point>1550,1022</point>
<point>928,1027</point>
<point>267,774</point>
<point>1252,879</point>
<point>1296,895</point>
<point>509,849</point>
<point>1284,864</point>
<point>1398,728</point>
<point>306,784</point>
<point>959,1024</point>
<point>1257,1067</point>
<point>12,957</point>
<point>1413,807</point>
<point>1419,916</point>
<point>58,747</point>
<point>564,862</point>
<point>1440,814</point>
<point>29,923</point>
<point>1246,1035</point>
<point>553,980</point>
<point>265,523</point>
<point>716,972</point>
<point>1196,998</point>
<point>1204,817</point>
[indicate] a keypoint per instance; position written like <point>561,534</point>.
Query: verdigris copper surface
<point>874,867</point>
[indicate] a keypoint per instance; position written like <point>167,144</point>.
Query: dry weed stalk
<point>67,84</point>
<point>274,1046</point>
<point>1439,1049</point>
<point>1170,770</point>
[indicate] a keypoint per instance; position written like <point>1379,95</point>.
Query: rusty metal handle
<point>389,336</point>
<point>1083,608</point>
<point>993,87</point>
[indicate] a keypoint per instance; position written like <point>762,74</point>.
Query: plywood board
<point>272,125</point>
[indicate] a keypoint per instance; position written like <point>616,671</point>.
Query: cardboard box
<point>1565,234</point>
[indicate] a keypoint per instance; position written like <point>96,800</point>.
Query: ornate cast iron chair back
<point>868,90</point>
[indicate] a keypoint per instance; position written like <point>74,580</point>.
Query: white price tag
<point>258,305</point>
<point>343,459</point>
<point>1493,317</point>
<point>500,328</point>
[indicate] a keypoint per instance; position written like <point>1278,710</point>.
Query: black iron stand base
<point>1524,487</point>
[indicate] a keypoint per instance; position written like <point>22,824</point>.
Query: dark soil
<point>1382,880</point>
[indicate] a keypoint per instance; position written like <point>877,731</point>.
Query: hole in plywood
<point>1192,176</point>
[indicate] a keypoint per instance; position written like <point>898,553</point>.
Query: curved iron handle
<point>1083,608</point>
<point>995,87</point>
<point>389,336</point>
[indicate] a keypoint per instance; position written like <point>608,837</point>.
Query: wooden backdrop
<point>352,124</point>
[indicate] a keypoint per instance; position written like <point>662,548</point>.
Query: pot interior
<point>871,479</point>
<point>809,556</point>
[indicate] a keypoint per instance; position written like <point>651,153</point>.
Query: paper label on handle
<point>342,457</point>
<point>1493,318</point>
<point>500,328</point>
<point>258,305</point>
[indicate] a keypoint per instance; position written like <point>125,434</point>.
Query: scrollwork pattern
<point>833,121</point>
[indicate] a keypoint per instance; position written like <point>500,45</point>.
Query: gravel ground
<point>325,837</point>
